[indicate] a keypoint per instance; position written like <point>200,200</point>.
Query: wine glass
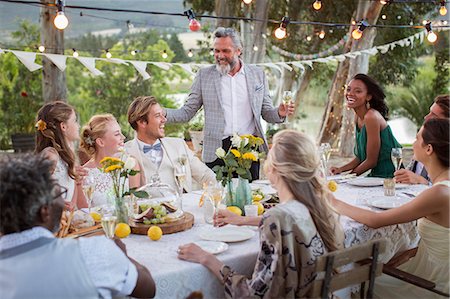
<point>397,157</point>
<point>180,177</point>
<point>88,188</point>
<point>325,153</point>
<point>215,195</point>
<point>287,98</point>
<point>109,225</point>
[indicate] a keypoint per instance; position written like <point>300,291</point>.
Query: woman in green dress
<point>374,138</point>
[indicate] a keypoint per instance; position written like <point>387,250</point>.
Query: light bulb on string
<point>41,48</point>
<point>383,17</point>
<point>317,4</point>
<point>358,32</point>
<point>247,1</point>
<point>322,34</point>
<point>431,36</point>
<point>211,52</point>
<point>255,48</point>
<point>443,9</point>
<point>309,38</point>
<point>424,22</point>
<point>190,54</point>
<point>134,52</point>
<point>108,54</point>
<point>194,25</point>
<point>280,32</point>
<point>75,53</point>
<point>384,2</point>
<point>60,20</point>
<point>164,54</point>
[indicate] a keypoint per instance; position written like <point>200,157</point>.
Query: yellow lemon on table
<point>154,233</point>
<point>123,230</point>
<point>96,216</point>
<point>332,186</point>
<point>235,210</point>
<point>257,197</point>
<point>260,207</point>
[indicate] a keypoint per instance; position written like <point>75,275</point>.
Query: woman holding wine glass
<point>374,138</point>
<point>102,137</point>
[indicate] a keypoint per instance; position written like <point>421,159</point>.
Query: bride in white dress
<point>430,208</point>
<point>102,137</point>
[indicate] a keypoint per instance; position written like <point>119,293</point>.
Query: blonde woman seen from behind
<point>430,208</point>
<point>292,234</point>
<point>102,137</point>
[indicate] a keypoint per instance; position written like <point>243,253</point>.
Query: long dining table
<point>177,279</point>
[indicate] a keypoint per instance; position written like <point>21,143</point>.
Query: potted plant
<point>195,130</point>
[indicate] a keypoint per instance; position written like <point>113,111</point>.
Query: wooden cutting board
<point>184,223</point>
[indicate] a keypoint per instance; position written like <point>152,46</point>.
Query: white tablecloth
<point>177,279</point>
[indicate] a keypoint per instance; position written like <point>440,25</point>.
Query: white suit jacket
<point>172,148</point>
<point>206,92</point>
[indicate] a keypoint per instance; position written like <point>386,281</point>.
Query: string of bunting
<point>28,59</point>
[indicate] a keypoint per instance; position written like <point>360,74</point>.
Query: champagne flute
<point>325,153</point>
<point>287,98</point>
<point>397,157</point>
<point>88,189</point>
<point>109,225</point>
<point>215,194</point>
<point>180,177</point>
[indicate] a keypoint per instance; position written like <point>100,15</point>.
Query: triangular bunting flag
<point>285,65</point>
<point>186,67</point>
<point>58,60</point>
<point>27,58</point>
<point>140,66</point>
<point>340,58</point>
<point>89,63</point>
<point>162,65</point>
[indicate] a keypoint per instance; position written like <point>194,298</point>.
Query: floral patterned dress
<point>290,244</point>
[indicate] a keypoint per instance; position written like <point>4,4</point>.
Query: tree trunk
<point>223,9</point>
<point>371,11</point>
<point>53,80</point>
<point>260,28</point>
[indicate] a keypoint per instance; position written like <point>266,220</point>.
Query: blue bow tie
<point>156,147</point>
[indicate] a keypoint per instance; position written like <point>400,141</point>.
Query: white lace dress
<point>61,174</point>
<point>103,187</point>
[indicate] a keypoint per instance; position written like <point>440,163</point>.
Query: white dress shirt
<point>112,273</point>
<point>236,104</point>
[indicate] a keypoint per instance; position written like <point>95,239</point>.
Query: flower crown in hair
<point>89,141</point>
<point>41,125</point>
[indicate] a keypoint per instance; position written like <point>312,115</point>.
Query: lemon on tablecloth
<point>257,197</point>
<point>332,186</point>
<point>154,233</point>
<point>96,216</point>
<point>123,230</point>
<point>260,207</point>
<point>235,210</point>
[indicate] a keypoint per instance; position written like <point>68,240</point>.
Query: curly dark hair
<point>26,185</point>
<point>436,132</point>
<point>374,89</point>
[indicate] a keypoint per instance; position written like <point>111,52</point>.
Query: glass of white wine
<point>287,99</point>
<point>216,194</point>
<point>88,189</point>
<point>180,177</point>
<point>397,157</point>
<point>109,225</point>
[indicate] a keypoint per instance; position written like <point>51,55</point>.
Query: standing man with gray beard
<point>234,96</point>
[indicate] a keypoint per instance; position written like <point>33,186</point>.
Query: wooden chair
<point>363,265</point>
<point>390,268</point>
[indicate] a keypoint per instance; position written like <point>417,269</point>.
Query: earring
<point>367,105</point>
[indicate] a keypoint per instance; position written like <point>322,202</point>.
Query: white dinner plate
<point>266,189</point>
<point>388,202</point>
<point>261,182</point>
<point>366,182</point>
<point>227,234</point>
<point>213,247</point>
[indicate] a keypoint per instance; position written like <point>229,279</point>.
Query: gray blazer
<point>206,92</point>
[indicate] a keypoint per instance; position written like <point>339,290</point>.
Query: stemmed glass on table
<point>88,189</point>
<point>325,153</point>
<point>287,98</point>
<point>180,178</point>
<point>397,157</point>
<point>215,194</point>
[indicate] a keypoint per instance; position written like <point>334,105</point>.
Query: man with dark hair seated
<point>35,264</point>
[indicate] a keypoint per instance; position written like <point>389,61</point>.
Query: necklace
<point>434,179</point>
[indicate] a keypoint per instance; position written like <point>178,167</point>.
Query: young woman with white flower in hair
<point>102,137</point>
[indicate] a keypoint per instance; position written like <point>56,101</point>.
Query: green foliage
<point>414,101</point>
<point>441,82</point>
<point>20,89</point>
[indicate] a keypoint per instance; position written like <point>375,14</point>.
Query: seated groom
<point>159,155</point>
<point>35,264</point>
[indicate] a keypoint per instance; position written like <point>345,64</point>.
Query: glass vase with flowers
<point>120,169</point>
<point>237,161</point>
